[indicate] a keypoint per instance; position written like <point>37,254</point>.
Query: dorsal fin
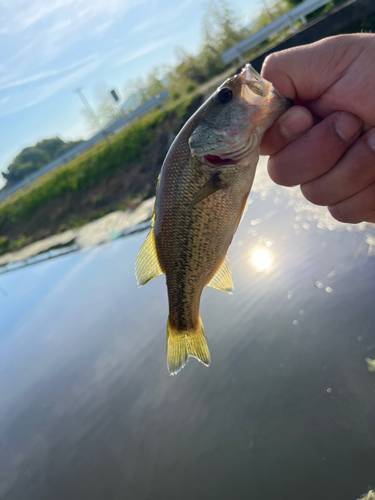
<point>223,278</point>
<point>147,264</point>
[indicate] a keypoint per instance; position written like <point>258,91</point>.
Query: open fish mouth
<point>217,161</point>
<point>229,158</point>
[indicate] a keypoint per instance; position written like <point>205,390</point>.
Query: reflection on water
<point>286,409</point>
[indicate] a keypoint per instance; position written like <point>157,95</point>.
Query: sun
<point>261,259</point>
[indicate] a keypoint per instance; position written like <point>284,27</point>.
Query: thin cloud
<point>176,13</point>
<point>143,26</point>
<point>146,49</point>
<point>23,50</point>
<point>55,25</point>
<point>48,89</point>
<point>162,18</point>
<point>102,28</point>
<point>45,74</point>
<point>21,15</point>
<point>61,26</point>
<point>27,14</point>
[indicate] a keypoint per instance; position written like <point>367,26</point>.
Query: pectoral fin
<point>223,278</point>
<point>211,186</point>
<point>147,264</point>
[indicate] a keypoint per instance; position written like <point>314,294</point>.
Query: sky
<point>49,48</point>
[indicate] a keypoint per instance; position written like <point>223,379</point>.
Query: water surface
<point>286,410</point>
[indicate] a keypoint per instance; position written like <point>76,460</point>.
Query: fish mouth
<point>217,161</point>
<point>230,158</point>
<point>255,82</point>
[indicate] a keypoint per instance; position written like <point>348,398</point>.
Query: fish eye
<point>224,95</point>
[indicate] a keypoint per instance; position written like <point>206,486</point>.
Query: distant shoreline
<point>106,229</point>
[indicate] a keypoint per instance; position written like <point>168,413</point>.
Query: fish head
<point>235,118</point>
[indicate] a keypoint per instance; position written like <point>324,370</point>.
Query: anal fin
<point>147,264</point>
<point>223,278</point>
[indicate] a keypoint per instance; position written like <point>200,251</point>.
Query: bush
<point>33,158</point>
<point>20,242</point>
<point>4,244</point>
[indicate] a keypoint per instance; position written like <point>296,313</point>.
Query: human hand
<point>327,143</point>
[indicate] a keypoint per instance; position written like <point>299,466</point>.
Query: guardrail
<point>117,125</point>
<point>111,128</point>
<point>285,21</point>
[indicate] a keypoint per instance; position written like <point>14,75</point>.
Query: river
<point>285,411</point>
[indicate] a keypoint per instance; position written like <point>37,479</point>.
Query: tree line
<point>32,158</point>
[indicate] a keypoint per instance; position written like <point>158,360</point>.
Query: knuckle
<point>343,214</point>
<point>313,192</point>
<point>277,172</point>
<point>356,166</point>
<point>339,213</point>
<point>268,146</point>
<point>361,167</point>
<point>273,170</point>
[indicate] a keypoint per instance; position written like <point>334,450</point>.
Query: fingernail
<point>295,123</point>
<point>371,140</point>
<point>347,126</point>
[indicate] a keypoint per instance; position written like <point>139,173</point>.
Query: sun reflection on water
<point>261,259</point>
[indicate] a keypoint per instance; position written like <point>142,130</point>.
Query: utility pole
<point>117,101</point>
<point>92,113</point>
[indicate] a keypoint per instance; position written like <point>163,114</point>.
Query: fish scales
<point>202,192</point>
<point>191,245</point>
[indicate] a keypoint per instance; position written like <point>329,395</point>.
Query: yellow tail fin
<point>182,345</point>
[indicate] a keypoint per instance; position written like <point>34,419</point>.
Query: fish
<point>201,196</point>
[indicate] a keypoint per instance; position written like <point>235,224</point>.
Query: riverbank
<point>101,231</point>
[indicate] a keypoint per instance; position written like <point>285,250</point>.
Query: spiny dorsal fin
<point>223,278</point>
<point>147,264</point>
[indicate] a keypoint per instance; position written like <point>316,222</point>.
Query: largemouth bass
<point>202,193</point>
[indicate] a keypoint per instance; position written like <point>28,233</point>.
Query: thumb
<point>306,72</point>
